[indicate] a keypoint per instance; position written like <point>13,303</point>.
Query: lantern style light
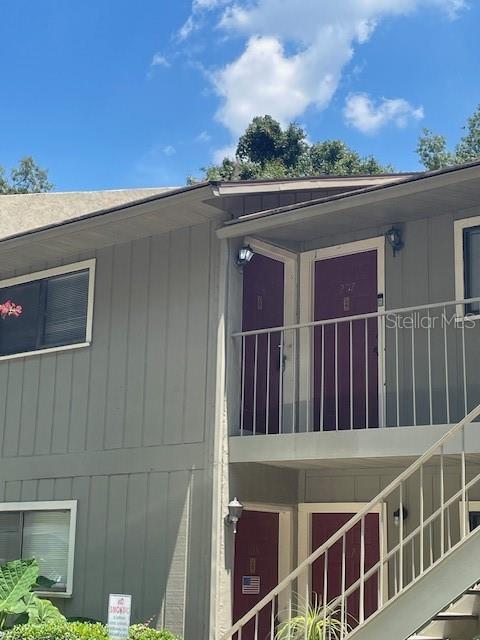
<point>403,512</point>
<point>394,239</point>
<point>235,510</point>
<point>244,255</point>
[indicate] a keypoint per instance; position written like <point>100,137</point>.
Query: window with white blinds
<point>45,534</point>
<point>471,266</point>
<point>56,308</point>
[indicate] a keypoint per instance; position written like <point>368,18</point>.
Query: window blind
<point>10,536</point>
<point>66,309</point>
<point>472,266</point>
<point>45,538</point>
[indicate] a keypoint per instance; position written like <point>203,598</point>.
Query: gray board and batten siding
<point>125,426</point>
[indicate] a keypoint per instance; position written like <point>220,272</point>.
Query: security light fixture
<point>244,255</point>
<point>235,510</point>
<point>394,239</point>
<point>397,513</point>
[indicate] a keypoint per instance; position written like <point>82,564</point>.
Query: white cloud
<point>187,28</point>
<point>169,150</point>
<point>159,60</point>
<point>295,51</point>
<point>224,152</point>
<point>369,116</point>
<point>265,80</point>
<point>192,23</point>
<point>203,136</point>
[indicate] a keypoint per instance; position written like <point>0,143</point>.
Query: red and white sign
<point>119,610</point>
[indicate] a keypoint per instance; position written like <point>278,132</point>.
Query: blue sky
<point>127,94</point>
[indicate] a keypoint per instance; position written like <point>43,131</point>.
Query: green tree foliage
<point>434,154</point>
<point>26,177</point>
<point>432,151</point>
<point>266,150</point>
<point>468,148</point>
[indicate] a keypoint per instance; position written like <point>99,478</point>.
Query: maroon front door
<point>263,308</point>
<point>346,353</point>
<point>256,568</point>
<point>324,525</point>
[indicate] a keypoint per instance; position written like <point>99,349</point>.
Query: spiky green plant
<point>313,621</point>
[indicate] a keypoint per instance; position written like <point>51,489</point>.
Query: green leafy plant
<point>144,632</point>
<point>313,622</point>
<point>64,630</point>
<point>17,579</point>
<point>59,630</point>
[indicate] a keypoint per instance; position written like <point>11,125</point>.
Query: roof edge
<point>102,212</point>
<point>226,230</point>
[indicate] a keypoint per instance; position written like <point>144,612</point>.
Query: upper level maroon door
<point>256,569</point>
<point>346,354</point>
<point>324,525</point>
<point>263,307</point>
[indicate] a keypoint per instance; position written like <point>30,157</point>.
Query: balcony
<point>341,385</point>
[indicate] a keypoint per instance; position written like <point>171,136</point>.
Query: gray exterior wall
<point>125,426</point>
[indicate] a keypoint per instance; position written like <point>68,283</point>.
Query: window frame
<point>53,505</point>
<point>49,273</point>
<point>459,231</point>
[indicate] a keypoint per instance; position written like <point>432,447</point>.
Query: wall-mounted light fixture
<point>244,255</point>
<point>397,513</point>
<point>394,239</point>
<point>235,510</point>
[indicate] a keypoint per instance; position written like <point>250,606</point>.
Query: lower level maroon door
<point>346,354</point>
<point>324,525</point>
<point>256,568</point>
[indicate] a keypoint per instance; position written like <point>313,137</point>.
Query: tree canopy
<point>266,150</point>
<point>26,177</point>
<point>433,151</point>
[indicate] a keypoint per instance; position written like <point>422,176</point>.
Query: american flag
<point>251,585</point>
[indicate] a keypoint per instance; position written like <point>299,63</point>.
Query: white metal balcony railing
<point>436,487</point>
<point>411,366</point>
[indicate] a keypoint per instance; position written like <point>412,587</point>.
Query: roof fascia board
<point>245,188</point>
<point>295,214</point>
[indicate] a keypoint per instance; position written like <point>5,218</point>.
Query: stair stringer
<point>413,608</point>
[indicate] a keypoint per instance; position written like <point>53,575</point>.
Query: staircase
<point>459,620</point>
<point>424,575</point>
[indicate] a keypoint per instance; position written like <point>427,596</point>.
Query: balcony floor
<point>365,447</point>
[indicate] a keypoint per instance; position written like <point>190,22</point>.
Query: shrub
<point>142,632</point>
<point>57,631</point>
<point>80,631</point>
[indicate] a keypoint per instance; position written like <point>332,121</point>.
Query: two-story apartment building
<point>154,373</point>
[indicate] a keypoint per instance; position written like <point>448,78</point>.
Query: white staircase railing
<point>436,489</point>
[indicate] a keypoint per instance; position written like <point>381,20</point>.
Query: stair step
<point>420,637</point>
<point>452,615</point>
<point>472,592</point>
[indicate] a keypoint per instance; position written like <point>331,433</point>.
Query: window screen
<point>54,313</point>
<point>43,535</point>
<point>471,266</point>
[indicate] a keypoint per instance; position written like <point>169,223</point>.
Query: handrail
<point>362,316</point>
<point>358,517</point>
